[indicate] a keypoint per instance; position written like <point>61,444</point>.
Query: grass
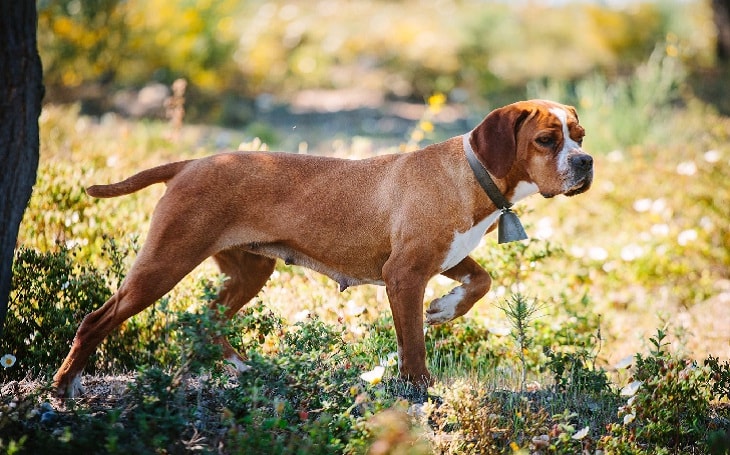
<point>637,269</point>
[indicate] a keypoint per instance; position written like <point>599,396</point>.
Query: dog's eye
<point>545,141</point>
<point>579,141</point>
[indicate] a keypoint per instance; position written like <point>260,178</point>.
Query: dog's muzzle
<point>581,167</point>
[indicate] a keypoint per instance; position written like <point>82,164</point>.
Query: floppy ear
<point>495,139</point>
<point>574,112</point>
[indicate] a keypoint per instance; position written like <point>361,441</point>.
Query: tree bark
<point>721,15</point>
<point>21,92</point>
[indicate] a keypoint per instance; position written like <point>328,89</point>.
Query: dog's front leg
<point>475,282</point>
<point>406,287</point>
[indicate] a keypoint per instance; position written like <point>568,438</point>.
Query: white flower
<point>628,418</point>
<point>7,360</point>
<point>707,224</point>
<point>533,386</point>
<point>631,389</point>
<point>631,252</point>
<point>597,253</point>
<point>687,168</point>
<point>544,229</point>
<point>500,331</point>
<point>642,205</point>
<point>390,360</point>
<point>624,363</point>
<point>353,309</point>
<point>582,433</point>
<point>356,329</point>
<point>374,376</point>
<point>686,237</point>
<point>659,205</point>
<point>660,230</point>
<point>712,156</point>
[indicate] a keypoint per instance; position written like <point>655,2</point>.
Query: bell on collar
<point>510,227</point>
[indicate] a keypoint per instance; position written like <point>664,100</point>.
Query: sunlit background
<point>479,53</point>
<point>639,264</point>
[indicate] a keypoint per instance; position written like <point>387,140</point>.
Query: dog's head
<point>537,142</point>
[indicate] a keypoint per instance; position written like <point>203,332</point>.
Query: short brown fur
<point>385,220</point>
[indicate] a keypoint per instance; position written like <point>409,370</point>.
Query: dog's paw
<point>70,389</point>
<point>237,364</point>
<point>444,309</point>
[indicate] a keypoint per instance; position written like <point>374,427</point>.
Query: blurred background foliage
<point>407,49</point>
<point>647,247</point>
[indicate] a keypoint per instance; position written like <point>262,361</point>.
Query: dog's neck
<point>500,192</point>
<point>510,228</point>
<point>482,175</point>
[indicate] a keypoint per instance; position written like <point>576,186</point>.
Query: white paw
<point>443,309</point>
<point>238,364</point>
<point>74,389</point>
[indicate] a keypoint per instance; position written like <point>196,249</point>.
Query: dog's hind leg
<point>247,273</point>
<point>152,276</point>
<point>171,251</point>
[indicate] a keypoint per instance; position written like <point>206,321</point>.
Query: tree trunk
<point>721,15</point>
<point>21,92</point>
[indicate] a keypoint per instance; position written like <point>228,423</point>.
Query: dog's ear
<point>574,112</point>
<point>495,139</point>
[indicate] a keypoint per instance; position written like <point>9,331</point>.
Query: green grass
<point>637,267</point>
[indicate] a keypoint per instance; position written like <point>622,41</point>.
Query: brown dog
<point>394,220</point>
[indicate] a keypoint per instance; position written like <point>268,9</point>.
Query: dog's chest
<point>464,243</point>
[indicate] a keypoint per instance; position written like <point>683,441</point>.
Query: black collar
<point>483,177</point>
<point>510,228</point>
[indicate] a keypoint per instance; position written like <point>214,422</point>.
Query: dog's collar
<point>510,227</point>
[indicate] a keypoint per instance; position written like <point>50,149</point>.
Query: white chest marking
<point>465,242</point>
<point>522,190</point>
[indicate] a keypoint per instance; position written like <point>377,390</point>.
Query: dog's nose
<point>581,161</point>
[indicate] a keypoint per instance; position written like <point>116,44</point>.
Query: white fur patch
<point>522,190</point>
<point>443,309</point>
<point>464,242</point>
<point>74,389</point>
<point>238,364</point>
<point>568,143</point>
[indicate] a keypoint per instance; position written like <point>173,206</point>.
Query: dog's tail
<point>138,181</point>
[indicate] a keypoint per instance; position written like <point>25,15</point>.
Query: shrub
<point>668,405</point>
<point>50,294</point>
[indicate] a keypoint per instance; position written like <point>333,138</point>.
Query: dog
<point>394,220</point>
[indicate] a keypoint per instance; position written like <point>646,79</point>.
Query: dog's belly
<point>292,256</point>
